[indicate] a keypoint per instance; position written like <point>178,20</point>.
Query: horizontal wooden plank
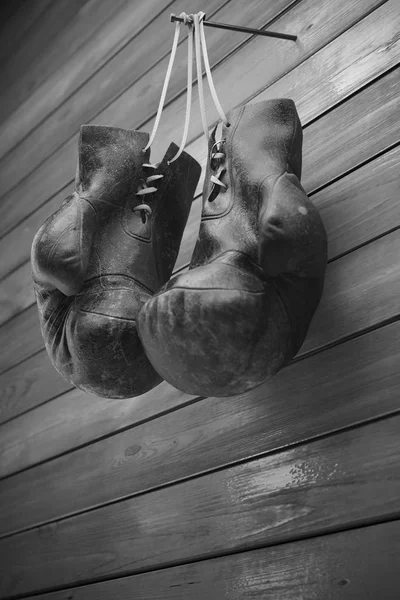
<point>361,205</point>
<point>87,18</point>
<point>22,16</point>
<point>75,418</point>
<point>101,47</point>
<point>52,175</point>
<point>30,384</point>
<point>16,292</point>
<point>359,292</point>
<point>363,126</point>
<point>348,384</point>
<point>38,40</point>
<point>344,480</point>
<point>16,246</point>
<point>139,58</point>
<point>359,564</point>
<point>317,73</point>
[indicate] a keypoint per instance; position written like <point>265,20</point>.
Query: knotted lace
<point>144,190</point>
<point>217,159</point>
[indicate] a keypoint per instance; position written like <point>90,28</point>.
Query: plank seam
<point>348,338</point>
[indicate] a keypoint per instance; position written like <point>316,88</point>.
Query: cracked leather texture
<point>95,263</point>
<point>242,311</point>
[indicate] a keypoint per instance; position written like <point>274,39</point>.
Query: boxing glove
<point>108,248</point>
<point>243,309</point>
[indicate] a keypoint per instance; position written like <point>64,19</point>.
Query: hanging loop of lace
<point>189,90</point>
<point>201,41</point>
<point>165,86</point>
<point>196,38</point>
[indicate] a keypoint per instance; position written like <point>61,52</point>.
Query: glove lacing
<point>196,37</point>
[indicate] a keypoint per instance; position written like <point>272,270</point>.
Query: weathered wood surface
<point>251,70</point>
<point>344,480</point>
<point>167,478</point>
<point>308,399</point>
<point>342,566</point>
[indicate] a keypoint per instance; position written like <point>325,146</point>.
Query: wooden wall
<point>291,491</point>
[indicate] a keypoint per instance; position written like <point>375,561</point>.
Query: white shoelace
<point>195,25</point>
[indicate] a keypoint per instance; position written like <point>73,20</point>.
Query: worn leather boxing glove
<point>108,248</point>
<point>243,309</point>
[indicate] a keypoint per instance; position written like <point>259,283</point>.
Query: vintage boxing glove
<point>108,248</point>
<point>243,309</point>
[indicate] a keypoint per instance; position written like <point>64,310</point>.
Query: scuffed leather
<point>256,276</point>
<point>95,263</point>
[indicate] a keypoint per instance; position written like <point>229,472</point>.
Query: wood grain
<point>250,70</point>
<point>348,384</point>
<point>98,489</point>
<point>342,566</point>
<point>347,479</point>
<point>124,71</point>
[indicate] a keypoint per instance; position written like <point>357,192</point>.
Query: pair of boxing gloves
<point>115,324</point>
